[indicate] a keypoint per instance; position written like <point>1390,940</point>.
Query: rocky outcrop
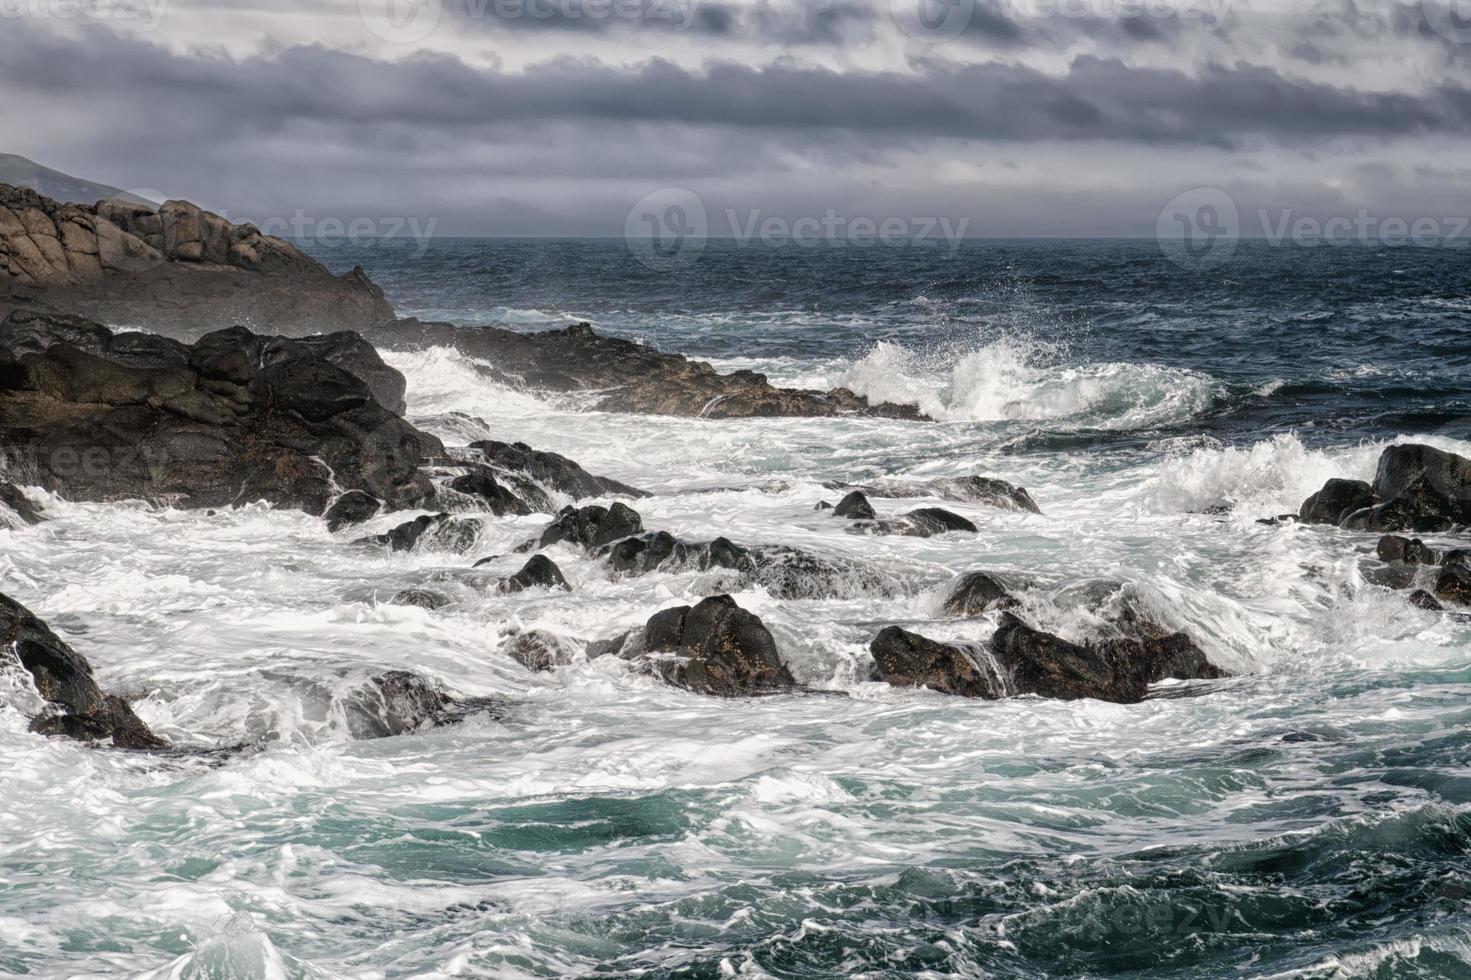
<point>963,489</point>
<point>540,572</point>
<point>1020,660</point>
<point>76,706</point>
<point>589,527</point>
<point>785,572</point>
<point>232,418</point>
<point>715,648</point>
<point>550,470</point>
<point>1335,501</point>
<point>176,269</point>
<point>438,532</point>
<point>360,359</point>
<point>622,376</point>
<point>480,484</point>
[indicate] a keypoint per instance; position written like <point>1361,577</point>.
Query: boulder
<point>1438,481</point>
<point>1393,548</point>
<point>540,572</point>
<point>1425,600</point>
<point>423,598</point>
<point>538,650</point>
<point>623,376</point>
<point>77,707</point>
<point>1335,501</point>
<point>396,702</point>
<point>440,532</point>
<point>176,269</point>
<point>551,471</point>
<point>233,418</point>
<point>589,527</point>
<point>855,506</point>
<point>977,593</point>
<point>360,359</point>
<point>480,483</point>
<point>351,508</point>
<point>925,522</point>
<point>714,648</point>
<point>1454,584</point>
<point>905,659</point>
<point>963,489</point>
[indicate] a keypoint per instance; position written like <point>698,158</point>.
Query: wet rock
<point>855,506</point>
<point>360,359</point>
<point>1454,584</point>
<point>441,532</point>
<point>977,593</point>
<point>552,471</point>
<point>77,707</point>
<point>926,522</point>
<point>715,648</point>
<point>963,489</point>
<point>627,377</point>
<point>233,418</point>
<point>905,659</point>
<point>423,598</point>
<point>25,511</point>
<point>175,269</point>
<point>1393,548</point>
<point>538,573</point>
<point>481,484</point>
<point>397,702</point>
<point>351,508</point>
<point>1335,501</point>
<point>589,527</point>
<point>1425,600</point>
<point>1400,514</point>
<point>1436,481</point>
<point>540,651</point>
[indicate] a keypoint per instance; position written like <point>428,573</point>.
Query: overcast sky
<point>554,117</point>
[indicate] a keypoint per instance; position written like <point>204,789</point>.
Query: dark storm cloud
<point>1095,99</point>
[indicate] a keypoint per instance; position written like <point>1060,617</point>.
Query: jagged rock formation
<point>624,376</point>
<point>176,269</point>
<point>233,418</point>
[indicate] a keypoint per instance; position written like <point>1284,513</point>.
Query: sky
<point>583,117</point>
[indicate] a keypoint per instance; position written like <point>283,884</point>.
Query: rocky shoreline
<point>307,416</point>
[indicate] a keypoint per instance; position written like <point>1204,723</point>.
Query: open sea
<point>1309,817</point>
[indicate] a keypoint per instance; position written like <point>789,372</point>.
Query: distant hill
<point>20,172</point>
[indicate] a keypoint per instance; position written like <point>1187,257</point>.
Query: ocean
<point>1308,817</point>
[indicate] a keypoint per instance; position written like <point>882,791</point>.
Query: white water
<point>488,848</point>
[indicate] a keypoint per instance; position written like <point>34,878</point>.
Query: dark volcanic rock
<point>176,269</point>
<point>1454,584</point>
<point>396,702</point>
<point>24,509</point>
<point>905,659</point>
<point>1335,501</point>
<point>626,377</point>
<point>926,521</point>
<point>965,489</point>
<point>438,531</point>
<point>1425,600</point>
<point>353,507</point>
<point>976,593</point>
<point>538,573</point>
<point>79,708</point>
<point>481,484</point>
<point>589,527</point>
<point>551,470</point>
<point>717,648</point>
<point>855,506</point>
<point>423,598</point>
<point>1437,481</point>
<point>360,359</point>
<point>787,573</point>
<point>233,418</point>
<point>1392,548</point>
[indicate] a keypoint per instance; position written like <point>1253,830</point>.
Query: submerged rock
<point>175,269</point>
<point>715,648</point>
<point>539,650</point>
<point>589,527</point>
<point>438,531</point>
<point>977,593</point>
<point>351,508</point>
<point>233,418</point>
<point>551,471</point>
<point>423,598</point>
<point>623,376</point>
<point>1335,501</point>
<point>397,702</point>
<point>538,573</point>
<point>964,489</point>
<point>78,708</point>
